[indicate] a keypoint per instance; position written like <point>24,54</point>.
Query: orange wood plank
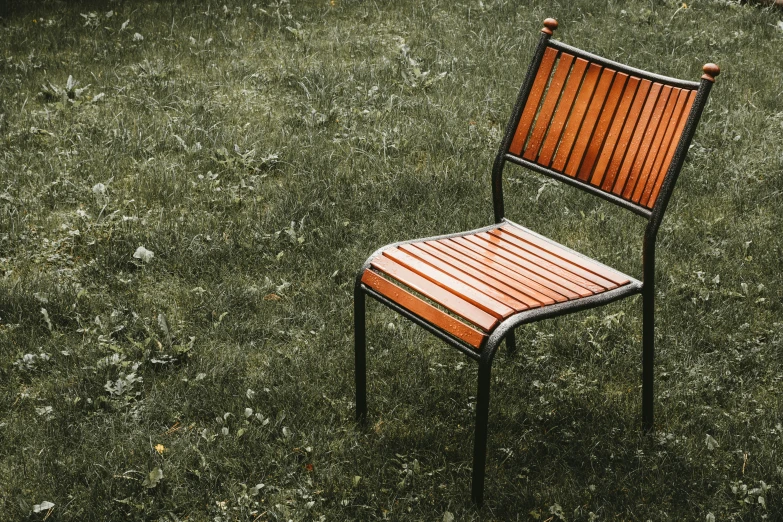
<point>621,145</point>
<point>591,120</point>
<point>488,304</point>
<point>609,129</point>
<point>646,169</point>
<point>672,149</point>
<point>423,309</point>
<point>577,117</point>
<point>469,277</point>
<point>588,278</point>
<point>671,126</point>
<point>482,274</point>
<point>660,166</point>
<point>594,267</point>
<point>429,289</point>
<point>495,274</point>
<point>640,142</point>
<point>508,271</point>
<point>548,106</point>
<point>562,113</point>
<point>533,99</point>
<point>495,256</point>
<point>494,245</point>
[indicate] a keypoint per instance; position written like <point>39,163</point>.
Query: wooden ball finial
<point>710,72</point>
<point>550,24</point>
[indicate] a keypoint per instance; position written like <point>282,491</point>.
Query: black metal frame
<point>505,330</point>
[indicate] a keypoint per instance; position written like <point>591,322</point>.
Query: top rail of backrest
<point>608,128</point>
<point>627,69</point>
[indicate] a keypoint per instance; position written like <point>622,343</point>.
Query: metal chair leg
<point>648,357</point>
<point>360,353</point>
<point>480,440</point>
<point>511,342</point>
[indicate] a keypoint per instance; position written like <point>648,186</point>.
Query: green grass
<point>262,153</point>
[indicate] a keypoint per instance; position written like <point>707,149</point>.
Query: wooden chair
<point>611,130</point>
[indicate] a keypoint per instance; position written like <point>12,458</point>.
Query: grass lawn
<point>186,192</point>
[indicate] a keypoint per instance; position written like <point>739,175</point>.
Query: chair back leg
<point>648,357</point>
<point>360,353</point>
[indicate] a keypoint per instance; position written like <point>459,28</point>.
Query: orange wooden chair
<point>614,131</point>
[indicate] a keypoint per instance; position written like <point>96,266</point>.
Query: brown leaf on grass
<point>272,297</point>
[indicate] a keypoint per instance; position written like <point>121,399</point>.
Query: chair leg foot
<point>360,354</point>
<point>480,440</point>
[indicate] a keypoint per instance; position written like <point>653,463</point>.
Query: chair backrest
<point>618,132</point>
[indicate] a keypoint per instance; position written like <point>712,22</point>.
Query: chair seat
<point>467,284</point>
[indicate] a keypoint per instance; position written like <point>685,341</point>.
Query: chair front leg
<point>480,439</point>
<point>360,353</point>
<point>648,357</point>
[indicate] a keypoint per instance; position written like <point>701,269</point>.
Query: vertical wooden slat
<point>620,146</point>
<point>599,117</point>
<point>640,144</point>
<point>672,148</point>
<point>531,106</point>
<point>660,165</point>
<point>548,106</point>
<point>561,114</point>
<point>603,153</point>
<point>577,117</point>
<point>656,150</point>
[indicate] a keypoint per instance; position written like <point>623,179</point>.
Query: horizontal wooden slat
<point>489,246</point>
<point>478,279</point>
<point>550,262</point>
<point>450,283</point>
<point>495,273</point>
<point>423,309</point>
<point>588,264</point>
<point>429,289</point>
<point>509,269</point>
<point>471,278</point>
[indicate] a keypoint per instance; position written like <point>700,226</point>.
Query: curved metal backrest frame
<point>689,98</point>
